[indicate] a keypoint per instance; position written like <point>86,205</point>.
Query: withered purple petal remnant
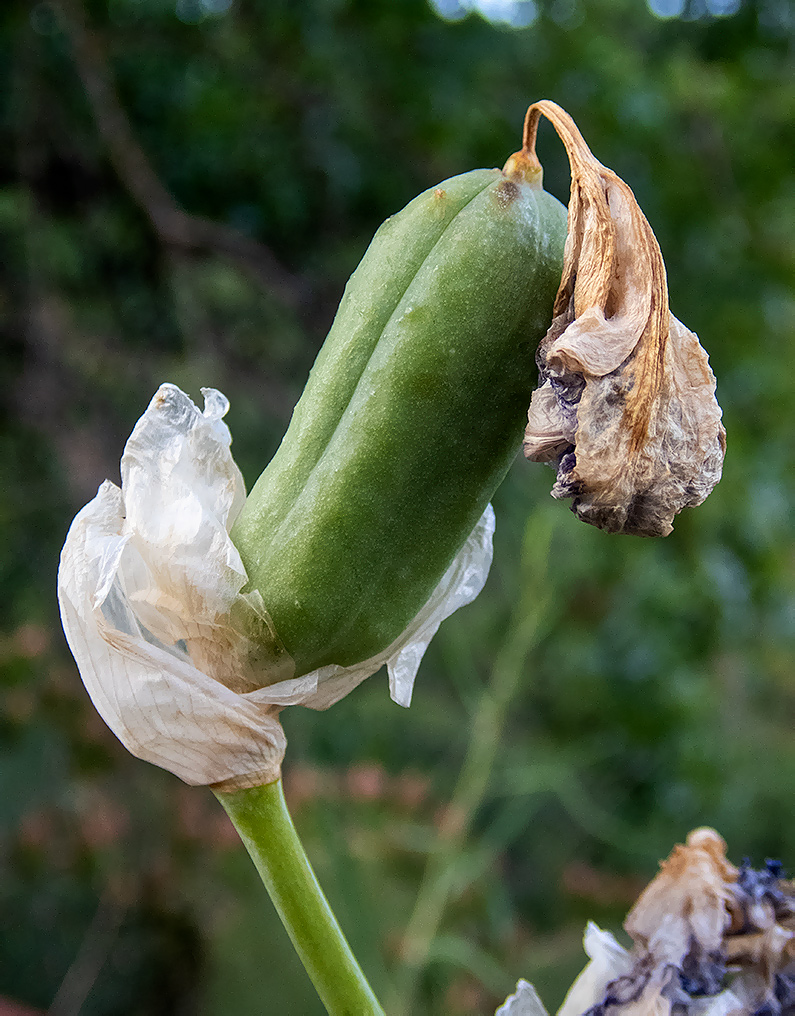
<point>625,407</point>
<point>708,940</point>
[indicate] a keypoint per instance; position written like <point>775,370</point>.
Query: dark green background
<point>660,694</point>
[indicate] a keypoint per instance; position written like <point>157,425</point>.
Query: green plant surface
<point>661,696</point>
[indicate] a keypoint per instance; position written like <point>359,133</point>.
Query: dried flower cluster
<point>626,406</point>
<point>709,939</point>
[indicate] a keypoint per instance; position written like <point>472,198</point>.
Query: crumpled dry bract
<point>626,407</point>
<point>578,422</point>
<point>185,669</point>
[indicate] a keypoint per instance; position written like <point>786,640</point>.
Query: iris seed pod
<point>412,414</point>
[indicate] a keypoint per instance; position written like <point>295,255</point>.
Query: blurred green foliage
<point>659,693</point>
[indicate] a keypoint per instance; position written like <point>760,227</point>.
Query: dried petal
<point>148,577</point>
<point>709,940</point>
<point>682,916</point>
<point>626,406</point>
<point>524,1002</point>
<point>608,961</point>
<point>187,671</point>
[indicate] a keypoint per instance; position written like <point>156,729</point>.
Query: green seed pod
<point>413,411</point>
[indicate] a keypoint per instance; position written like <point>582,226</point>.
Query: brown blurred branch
<point>174,226</point>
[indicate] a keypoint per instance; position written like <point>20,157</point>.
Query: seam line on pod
<point>289,514</point>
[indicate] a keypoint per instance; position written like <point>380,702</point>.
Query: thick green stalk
<point>261,818</point>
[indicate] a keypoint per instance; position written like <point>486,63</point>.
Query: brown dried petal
<point>626,406</point>
<point>685,908</point>
<point>765,950</point>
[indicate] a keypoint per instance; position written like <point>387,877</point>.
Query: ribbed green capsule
<point>413,412</point>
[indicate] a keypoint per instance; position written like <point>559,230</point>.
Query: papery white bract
<point>608,960</point>
<point>524,1002</point>
<point>185,669</point>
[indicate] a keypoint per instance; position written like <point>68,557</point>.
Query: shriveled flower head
<point>625,407</point>
<point>709,939</point>
<point>183,665</point>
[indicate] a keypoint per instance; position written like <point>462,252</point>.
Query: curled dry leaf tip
<point>625,408</point>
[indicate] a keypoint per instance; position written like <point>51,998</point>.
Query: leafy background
<point>184,189</point>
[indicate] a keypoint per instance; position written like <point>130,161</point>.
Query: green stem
<point>261,818</point>
<point>443,867</point>
<point>442,871</point>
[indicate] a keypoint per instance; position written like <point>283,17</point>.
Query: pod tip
<point>524,167</point>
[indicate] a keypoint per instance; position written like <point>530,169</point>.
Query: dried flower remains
<point>182,664</point>
<point>625,408</point>
<point>709,939</point>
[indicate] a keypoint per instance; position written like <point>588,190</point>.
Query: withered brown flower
<point>625,407</point>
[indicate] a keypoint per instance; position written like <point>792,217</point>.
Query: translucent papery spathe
<point>524,1002</point>
<point>186,669</point>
